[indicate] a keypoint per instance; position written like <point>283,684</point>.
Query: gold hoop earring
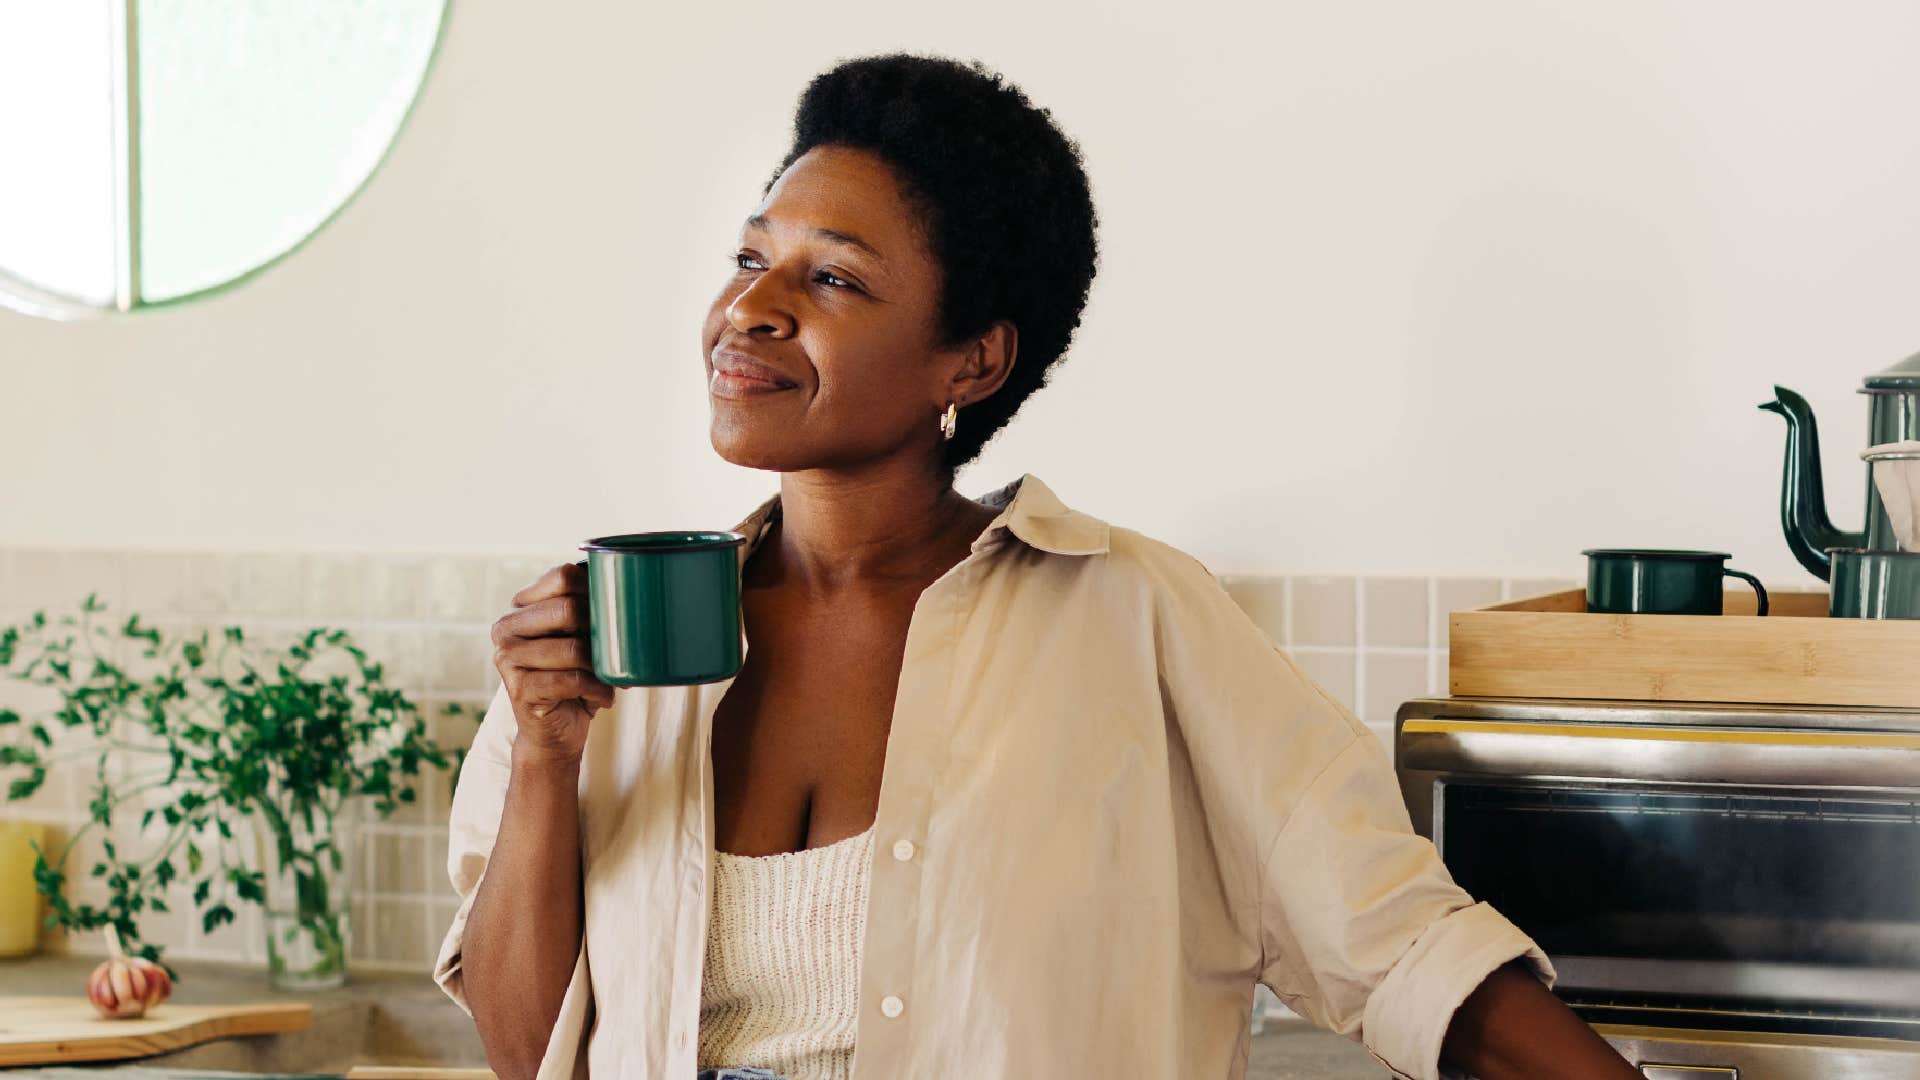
<point>947,421</point>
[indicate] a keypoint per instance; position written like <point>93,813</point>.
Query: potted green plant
<point>254,761</point>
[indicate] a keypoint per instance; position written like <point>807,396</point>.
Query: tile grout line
<point>1360,653</point>
<point>1435,618</point>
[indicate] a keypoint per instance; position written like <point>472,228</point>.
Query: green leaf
<point>215,916</point>
<point>193,857</point>
<point>26,785</point>
<point>45,878</point>
<point>248,886</point>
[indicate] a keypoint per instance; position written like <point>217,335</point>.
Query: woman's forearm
<point>523,934</point>
<point>1513,1028</point>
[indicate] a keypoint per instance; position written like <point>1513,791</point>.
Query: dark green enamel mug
<point>1652,581</point>
<point>1874,584</point>
<point>664,607</point>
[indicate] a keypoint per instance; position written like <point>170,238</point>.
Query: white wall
<point>1393,287</point>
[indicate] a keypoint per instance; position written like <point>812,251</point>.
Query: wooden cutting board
<point>50,1030</point>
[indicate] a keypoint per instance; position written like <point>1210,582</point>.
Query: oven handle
<point>1674,754</point>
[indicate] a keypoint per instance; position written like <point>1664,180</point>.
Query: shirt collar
<point>1034,514</point>
<point>1028,509</point>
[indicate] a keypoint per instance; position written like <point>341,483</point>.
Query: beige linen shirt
<point>1110,804</point>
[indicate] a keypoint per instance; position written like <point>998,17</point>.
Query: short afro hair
<point>1009,212</point>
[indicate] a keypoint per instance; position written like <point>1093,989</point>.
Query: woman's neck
<point>884,525</point>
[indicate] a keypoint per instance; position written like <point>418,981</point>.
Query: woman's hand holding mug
<point>543,652</point>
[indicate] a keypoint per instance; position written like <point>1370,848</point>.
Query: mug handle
<point>1753,581</point>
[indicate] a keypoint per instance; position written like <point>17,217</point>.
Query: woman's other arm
<point>1513,1028</point>
<point>1361,928</point>
<point>512,961</point>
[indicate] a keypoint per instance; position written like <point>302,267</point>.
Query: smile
<point>735,386</point>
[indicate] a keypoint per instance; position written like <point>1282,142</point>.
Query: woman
<point>1001,791</point>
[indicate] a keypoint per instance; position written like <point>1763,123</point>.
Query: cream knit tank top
<point>782,983</point>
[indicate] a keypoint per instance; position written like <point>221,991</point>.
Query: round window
<point>159,150</point>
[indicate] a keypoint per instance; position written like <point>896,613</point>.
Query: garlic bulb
<point>126,986</point>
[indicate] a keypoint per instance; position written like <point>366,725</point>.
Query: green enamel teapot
<point>1893,415</point>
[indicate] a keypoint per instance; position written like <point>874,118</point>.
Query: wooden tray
<point>50,1030</point>
<point>1549,646</point>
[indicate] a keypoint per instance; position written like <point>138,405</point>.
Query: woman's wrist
<point>545,761</point>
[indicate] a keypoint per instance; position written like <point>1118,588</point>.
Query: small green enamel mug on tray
<point>664,607</point>
<point>1656,581</point>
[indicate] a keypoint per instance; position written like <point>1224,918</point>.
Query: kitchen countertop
<point>392,1018</point>
<point>404,1019</point>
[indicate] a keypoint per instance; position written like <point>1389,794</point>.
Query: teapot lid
<point>1904,375</point>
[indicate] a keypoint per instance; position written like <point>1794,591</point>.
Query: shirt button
<point>903,850</point>
<point>890,1006</point>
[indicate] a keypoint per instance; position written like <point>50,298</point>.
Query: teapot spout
<point>1803,498</point>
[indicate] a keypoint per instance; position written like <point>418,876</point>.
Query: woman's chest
<point>799,739</point>
<point>987,716</point>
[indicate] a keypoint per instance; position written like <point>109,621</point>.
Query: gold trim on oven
<point>1861,739</point>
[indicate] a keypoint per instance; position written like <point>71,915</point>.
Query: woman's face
<point>822,348</point>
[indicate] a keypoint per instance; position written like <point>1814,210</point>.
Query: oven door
<point>1709,874</point>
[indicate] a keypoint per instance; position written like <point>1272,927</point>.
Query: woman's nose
<point>760,309</point>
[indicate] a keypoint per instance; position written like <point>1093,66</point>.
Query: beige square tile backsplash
<point>1373,642</point>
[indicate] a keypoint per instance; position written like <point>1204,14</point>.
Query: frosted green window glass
<point>57,209</point>
<point>259,119</point>
<point>155,150</point>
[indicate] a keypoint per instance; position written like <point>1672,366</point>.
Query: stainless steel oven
<point>1726,891</point>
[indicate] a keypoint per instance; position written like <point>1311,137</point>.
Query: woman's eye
<point>744,261</point>
<point>828,277</point>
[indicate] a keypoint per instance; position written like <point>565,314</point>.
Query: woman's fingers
<point>545,662</point>
<point>552,653</point>
<point>565,579</point>
<point>560,614</point>
<point>550,688</point>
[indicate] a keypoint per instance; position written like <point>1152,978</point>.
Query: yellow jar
<point>20,904</point>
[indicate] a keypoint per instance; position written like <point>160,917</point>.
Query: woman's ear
<point>986,360</point>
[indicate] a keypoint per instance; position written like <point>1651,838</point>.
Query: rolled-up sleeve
<point>1363,930</point>
<point>477,804</point>
<point>1359,926</point>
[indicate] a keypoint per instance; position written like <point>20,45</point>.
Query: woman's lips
<point>738,375</point>
<point>725,384</point>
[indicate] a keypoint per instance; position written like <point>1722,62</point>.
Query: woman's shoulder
<point>1136,552</point>
<point>1175,583</point>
